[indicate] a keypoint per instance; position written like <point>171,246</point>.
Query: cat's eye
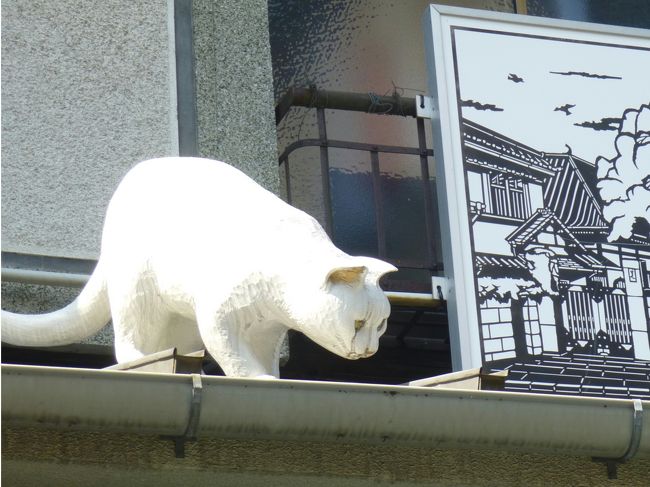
<point>358,324</point>
<point>382,327</point>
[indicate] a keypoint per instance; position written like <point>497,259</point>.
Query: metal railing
<point>48,270</point>
<point>70,272</point>
<point>363,102</point>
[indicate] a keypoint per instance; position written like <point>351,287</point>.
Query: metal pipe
<point>413,299</point>
<point>287,177</point>
<point>342,100</point>
<point>345,144</point>
<point>427,196</point>
<point>79,280</point>
<point>46,278</point>
<point>379,204</point>
<point>118,401</point>
<point>325,172</point>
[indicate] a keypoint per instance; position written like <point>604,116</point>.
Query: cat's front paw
<point>265,376</point>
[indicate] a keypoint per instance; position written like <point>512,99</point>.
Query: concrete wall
<point>234,87</point>
<point>90,88</point>
<point>69,458</point>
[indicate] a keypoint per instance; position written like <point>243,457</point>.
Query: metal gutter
<point>207,406</point>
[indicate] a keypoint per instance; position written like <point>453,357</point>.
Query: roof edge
<point>166,404</point>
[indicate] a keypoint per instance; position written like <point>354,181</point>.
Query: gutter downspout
<point>165,404</point>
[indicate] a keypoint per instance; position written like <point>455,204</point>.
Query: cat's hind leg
<point>139,320</point>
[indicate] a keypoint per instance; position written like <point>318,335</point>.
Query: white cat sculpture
<point>194,252</point>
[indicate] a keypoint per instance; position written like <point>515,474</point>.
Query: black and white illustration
<point>555,144</point>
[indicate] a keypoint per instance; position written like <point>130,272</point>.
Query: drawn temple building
<point>548,281</point>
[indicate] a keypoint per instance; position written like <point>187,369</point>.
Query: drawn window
<point>632,274</point>
<point>509,197</point>
<point>645,275</point>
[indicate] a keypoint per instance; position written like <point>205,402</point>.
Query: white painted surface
<point>194,252</point>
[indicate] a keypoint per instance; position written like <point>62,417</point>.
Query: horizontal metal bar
<point>49,263</point>
<point>344,144</point>
<point>341,100</point>
<point>45,278</point>
<point>411,264</point>
<point>80,280</point>
<point>413,299</point>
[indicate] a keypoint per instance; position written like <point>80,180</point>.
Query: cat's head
<point>342,308</point>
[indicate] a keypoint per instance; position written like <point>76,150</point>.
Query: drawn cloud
<point>624,180</point>
<point>608,123</point>
<point>480,106</point>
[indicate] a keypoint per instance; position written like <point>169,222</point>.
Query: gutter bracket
<point>635,440</point>
<point>193,420</point>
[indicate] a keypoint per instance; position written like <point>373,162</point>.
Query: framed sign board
<point>542,145</point>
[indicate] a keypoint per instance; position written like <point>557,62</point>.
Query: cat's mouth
<point>368,349</point>
<point>357,356</point>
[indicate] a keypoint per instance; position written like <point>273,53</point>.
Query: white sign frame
<point>441,24</point>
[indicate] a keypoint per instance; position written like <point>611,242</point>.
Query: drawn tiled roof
<point>569,181</point>
<point>579,257</point>
<point>495,265</point>
<point>593,259</point>
<point>572,194</point>
<point>583,261</point>
<point>535,224</point>
<point>568,263</point>
<point>500,260</point>
<point>580,374</point>
<point>487,141</point>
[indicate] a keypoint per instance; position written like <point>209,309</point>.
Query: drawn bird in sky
<point>515,78</point>
<point>564,108</point>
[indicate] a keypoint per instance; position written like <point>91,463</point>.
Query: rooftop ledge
<point>191,406</point>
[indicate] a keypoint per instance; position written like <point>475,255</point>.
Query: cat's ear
<point>376,268</point>
<point>351,276</point>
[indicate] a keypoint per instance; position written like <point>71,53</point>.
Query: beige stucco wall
<point>31,457</point>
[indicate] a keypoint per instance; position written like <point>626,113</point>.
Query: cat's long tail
<point>81,319</point>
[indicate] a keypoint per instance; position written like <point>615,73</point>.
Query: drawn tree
<point>624,180</point>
